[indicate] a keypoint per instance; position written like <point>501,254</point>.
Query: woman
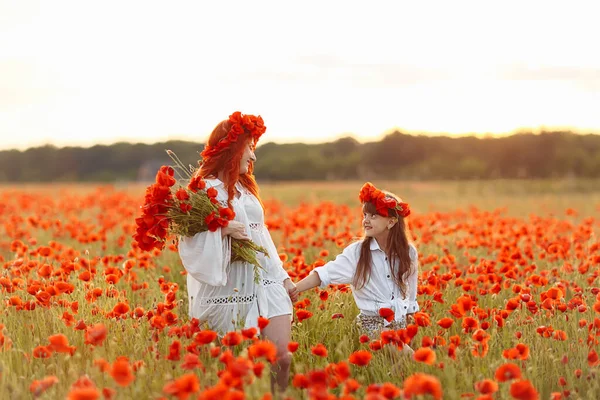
<point>224,292</point>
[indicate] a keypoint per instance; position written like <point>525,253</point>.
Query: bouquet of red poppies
<point>171,208</point>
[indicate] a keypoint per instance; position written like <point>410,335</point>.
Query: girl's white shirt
<point>223,292</point>
<point>380,291</point>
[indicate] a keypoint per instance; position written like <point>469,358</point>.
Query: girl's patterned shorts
<point>373,325</point>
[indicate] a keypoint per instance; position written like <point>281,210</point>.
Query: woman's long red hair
<point>228,162</point>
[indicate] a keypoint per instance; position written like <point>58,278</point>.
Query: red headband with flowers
<point>383,203</point>
<point>240,123</point>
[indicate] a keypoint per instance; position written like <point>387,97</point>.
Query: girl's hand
<point>236,230</point>
<point>291,289</point>
<point>309,282</point>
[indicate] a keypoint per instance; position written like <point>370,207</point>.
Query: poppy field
<point>509,292</point>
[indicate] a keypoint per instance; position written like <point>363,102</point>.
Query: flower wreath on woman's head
<point>382,202</point>
<point>239,123</point>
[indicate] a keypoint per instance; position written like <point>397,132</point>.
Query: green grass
<point>134,339</point>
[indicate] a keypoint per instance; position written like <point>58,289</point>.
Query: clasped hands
<point>291,289</point>
<point>237,230</point>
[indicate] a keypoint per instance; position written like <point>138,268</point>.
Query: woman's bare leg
<point>279,332</point>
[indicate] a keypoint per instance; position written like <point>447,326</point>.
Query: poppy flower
<point>319,350</point>
<point>183,387</point>
<point>96,334</point>
<point>421,319</point>
<point>300,381</point>
<point>42,352</point>
<point>174,351</point>
<point>387,314</point>
<point>523,390</point>
<point>262,322</point>
<point>257,369</point>
<point>232,339</point>
<point>212,192</point>
<point>38,387</point>
<point>507,372</point>
<point>303,314</point>
<point>108,393</point>
<point>263,348</point>
<point>60,344</point>
<point>80,326</point>
<point>519,352</point>
<point>425,355</point>
<point>376,345</point>
<point>351,386</point>
<point>102,365</point>
<point>249,333</point>
<point>83,393</point>
<point>422,384</point>
<point>191,361</point>
<point>593,359</point>
<point>83,389</point>
<point>226,213</point>
<point>360,358</point>
<point>182,194</point>
<point>486,386</point>
<point>205,337</point>
<point>481,335</point>
<point>121,371</point>
<point>445,322</point>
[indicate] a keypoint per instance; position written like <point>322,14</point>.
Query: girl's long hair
<point>228,161</point>
<point>397,252</point>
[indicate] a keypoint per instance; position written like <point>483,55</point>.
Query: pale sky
<point>80,72</point>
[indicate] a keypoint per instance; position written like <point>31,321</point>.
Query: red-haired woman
<point>382,267</point>
<point>224,293</point>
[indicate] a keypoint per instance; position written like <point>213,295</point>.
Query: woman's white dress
<point>224,293</point>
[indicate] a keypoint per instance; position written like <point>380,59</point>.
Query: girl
<point>382,268</point>
<point>223,292</point>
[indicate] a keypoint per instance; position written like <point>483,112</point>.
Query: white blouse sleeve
<point>206,257</point>
<point>413,306</point>
<point>341,270</point>
<point>280,273</point>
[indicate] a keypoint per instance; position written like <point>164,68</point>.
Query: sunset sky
<point>80,72</point>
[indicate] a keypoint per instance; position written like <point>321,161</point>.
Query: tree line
<point>396,156</point>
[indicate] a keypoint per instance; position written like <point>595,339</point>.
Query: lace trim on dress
<point>268,282</point>
<point>247,299</point>
<point>255,226</point>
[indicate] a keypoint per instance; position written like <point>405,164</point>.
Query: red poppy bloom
<point>319,350</point>
<point>445,322</point>
<point>121,371</point>
<point>422,384</point>
<point>387,314</point>
<point>425,355</point>
<point>507,372</point>
<point>523,390</point>
<point>360,357</point>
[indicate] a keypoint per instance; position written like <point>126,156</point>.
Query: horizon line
<point>362,140</point>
